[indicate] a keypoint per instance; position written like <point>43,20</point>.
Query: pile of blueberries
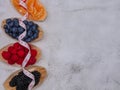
<point>21,81</point>
<point>13,29</point>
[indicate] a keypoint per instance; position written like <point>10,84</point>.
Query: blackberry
<point>21,81</point>
<point>37,76</point>
<point>13,82</point>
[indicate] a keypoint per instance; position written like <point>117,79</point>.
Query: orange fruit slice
<point>35,9</point>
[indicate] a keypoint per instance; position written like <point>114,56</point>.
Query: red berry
<point>26,50</point>
<point>29,46</point>
<point>21,53</point>
<point>20,61</point>
<point>33,52</point>
<point>14,51</point>
<point>16,45</point>
<point>10,49</point>
<point>6,55</point>
<point>32,60</point>
<point>11,62</point>
<point>14,58</point>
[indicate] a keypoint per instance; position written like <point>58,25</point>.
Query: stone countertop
<point>81,44</point>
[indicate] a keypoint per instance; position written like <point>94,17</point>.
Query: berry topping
<point>13,29</point>
<point>21,81</point>
<point>17,53</point>
<point>21,53</point>
<point>6,55</point>
<point>14,58</point>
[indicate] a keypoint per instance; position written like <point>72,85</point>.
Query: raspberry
<point>14,58</point>
<point>29,46</point>
<point>32,60</point>
<point>20,61</point>
<point>14,51</point>
<point>10,48</point>
<point>21,53</point>
<point>6,55</point>
<point>26,50</point>
<point>16,45</point>
<point>33,52</point>
<point>11,62</point>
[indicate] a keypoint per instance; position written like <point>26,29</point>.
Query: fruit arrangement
<point>23,53</point>
<point>15,54</point>
<point>14,30</point>
<point>18,81</point>
<point>35,9</point>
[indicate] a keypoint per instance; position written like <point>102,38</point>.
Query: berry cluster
<point>13,29</point>
<point>17,53</point>
<point>21,81</point>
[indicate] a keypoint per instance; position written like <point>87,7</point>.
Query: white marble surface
<point>81,44</point>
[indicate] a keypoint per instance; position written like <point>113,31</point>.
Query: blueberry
<point>34,27</point>
<point>28,40</point>
<point>8,21</point>
<point>11,24</point>
<point>27,27</point>
<point>14,29</point>
<point>10,34</point>
<point>35,35</point>
<point>6,30</point>
<point>36,31</point>
<point>30,23</point>
<point>20,29</point>
<point>25,22</point>
<point>16,22</point>
<point>32,38</point>
<point>14,35</point>
<point>30,33</point>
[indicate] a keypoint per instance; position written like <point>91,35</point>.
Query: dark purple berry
<point>8,21</point>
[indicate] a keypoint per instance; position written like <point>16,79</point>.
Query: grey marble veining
<point>81,44</point>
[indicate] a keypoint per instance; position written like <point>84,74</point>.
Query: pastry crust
<point>31,69</point>
<point>38,56</point>
<point>35,40</point>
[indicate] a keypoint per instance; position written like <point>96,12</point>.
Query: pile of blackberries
<point>13,29</point>
<point>21,81</point>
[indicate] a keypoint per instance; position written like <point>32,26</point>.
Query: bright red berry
<point>14,58</point>
<point>11,62</point>
<point>32,60</point>
<point>16,45</point>
<point>20,61</point>
<point>21,53</point>
<point>26,50</point>
<point>6,55</point>
<point>33,52</point>
<point>10,49</point>
<point>14,51</point>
